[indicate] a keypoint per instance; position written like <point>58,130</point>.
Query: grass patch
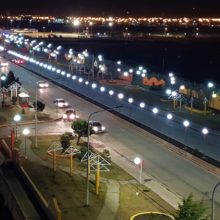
<point>68,188</point>
<point>69,191</point>
<point>146,201</point>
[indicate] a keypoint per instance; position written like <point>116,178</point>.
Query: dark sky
<point>113,7</point>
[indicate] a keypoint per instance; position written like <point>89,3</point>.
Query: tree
<point>80,127</point>
<point>10,78</point>
<point>191,210</point>
<point>65,141</point>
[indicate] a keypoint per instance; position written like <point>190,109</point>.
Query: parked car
<point>60,103</point>
<point>97,127</point>
<point>42,84</point>
<point>18,61</point>
<point>69,115</point>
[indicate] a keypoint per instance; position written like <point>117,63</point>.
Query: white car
<point>69,115</point>
<point>3,64</point>
<point>97,127</point>
<point>42,84</point>
<point>61,103</point>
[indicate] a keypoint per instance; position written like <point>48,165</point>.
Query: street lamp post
<point>138,161</point>
<point>213,197</point>
<point>25,132</point>
<point>16,118</point>
<point>35,116</point>
<point>2,78</point>
<point>88,159</point>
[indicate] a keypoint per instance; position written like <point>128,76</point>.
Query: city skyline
<point>113,8</point>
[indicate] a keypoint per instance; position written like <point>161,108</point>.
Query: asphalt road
<point>177,174</point>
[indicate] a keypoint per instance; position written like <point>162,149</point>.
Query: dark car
<point>97,127</point>
<point>69,115</point>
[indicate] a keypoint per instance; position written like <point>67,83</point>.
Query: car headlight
<point>95,129</point>
<point>72,116</point>
<point>103,128</point>
<point>64,116</point>
<point>60,104</point>
<point>46,84</point>
<point>66,103</point>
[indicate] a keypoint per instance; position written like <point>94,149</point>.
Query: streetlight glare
<point>120,95</point>
<point>210,85</point>
<point>17,118</point>
<point>137,160</point>
<point>142,104</point>
<point>102,88</point>
<point>76,22</point>
<point>205,131</point>
<point>155,110</point>
<point>182,87</point>
<point>94,85</point>
<point>168,92</point>
<point>174,93</point>
<point>130,100</point>
<point>80,80</point>
<point>111,92</point>
<point>126,74</point>
<point>169,116</point>
<point>170,74</point>
<point>26,131</point>
<point>186,123</point>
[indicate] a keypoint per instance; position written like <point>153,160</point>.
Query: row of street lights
<point>102,89</point>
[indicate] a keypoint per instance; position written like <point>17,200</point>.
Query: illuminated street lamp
<point>138,161</point>
<point>205,131</point>
<point>25,132</point>
<point>91,24</point>
<point>169,116</point>
<point>186,123</point>
<point>210,85</point>
<point>16,118</point>
<point>2,78</point>
<point>76,23</point>
<point>155,110</point>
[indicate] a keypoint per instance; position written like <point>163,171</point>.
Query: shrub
<point>106,154</point>
<point>65,141</point>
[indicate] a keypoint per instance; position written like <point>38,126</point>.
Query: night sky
<point>121,8</point>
